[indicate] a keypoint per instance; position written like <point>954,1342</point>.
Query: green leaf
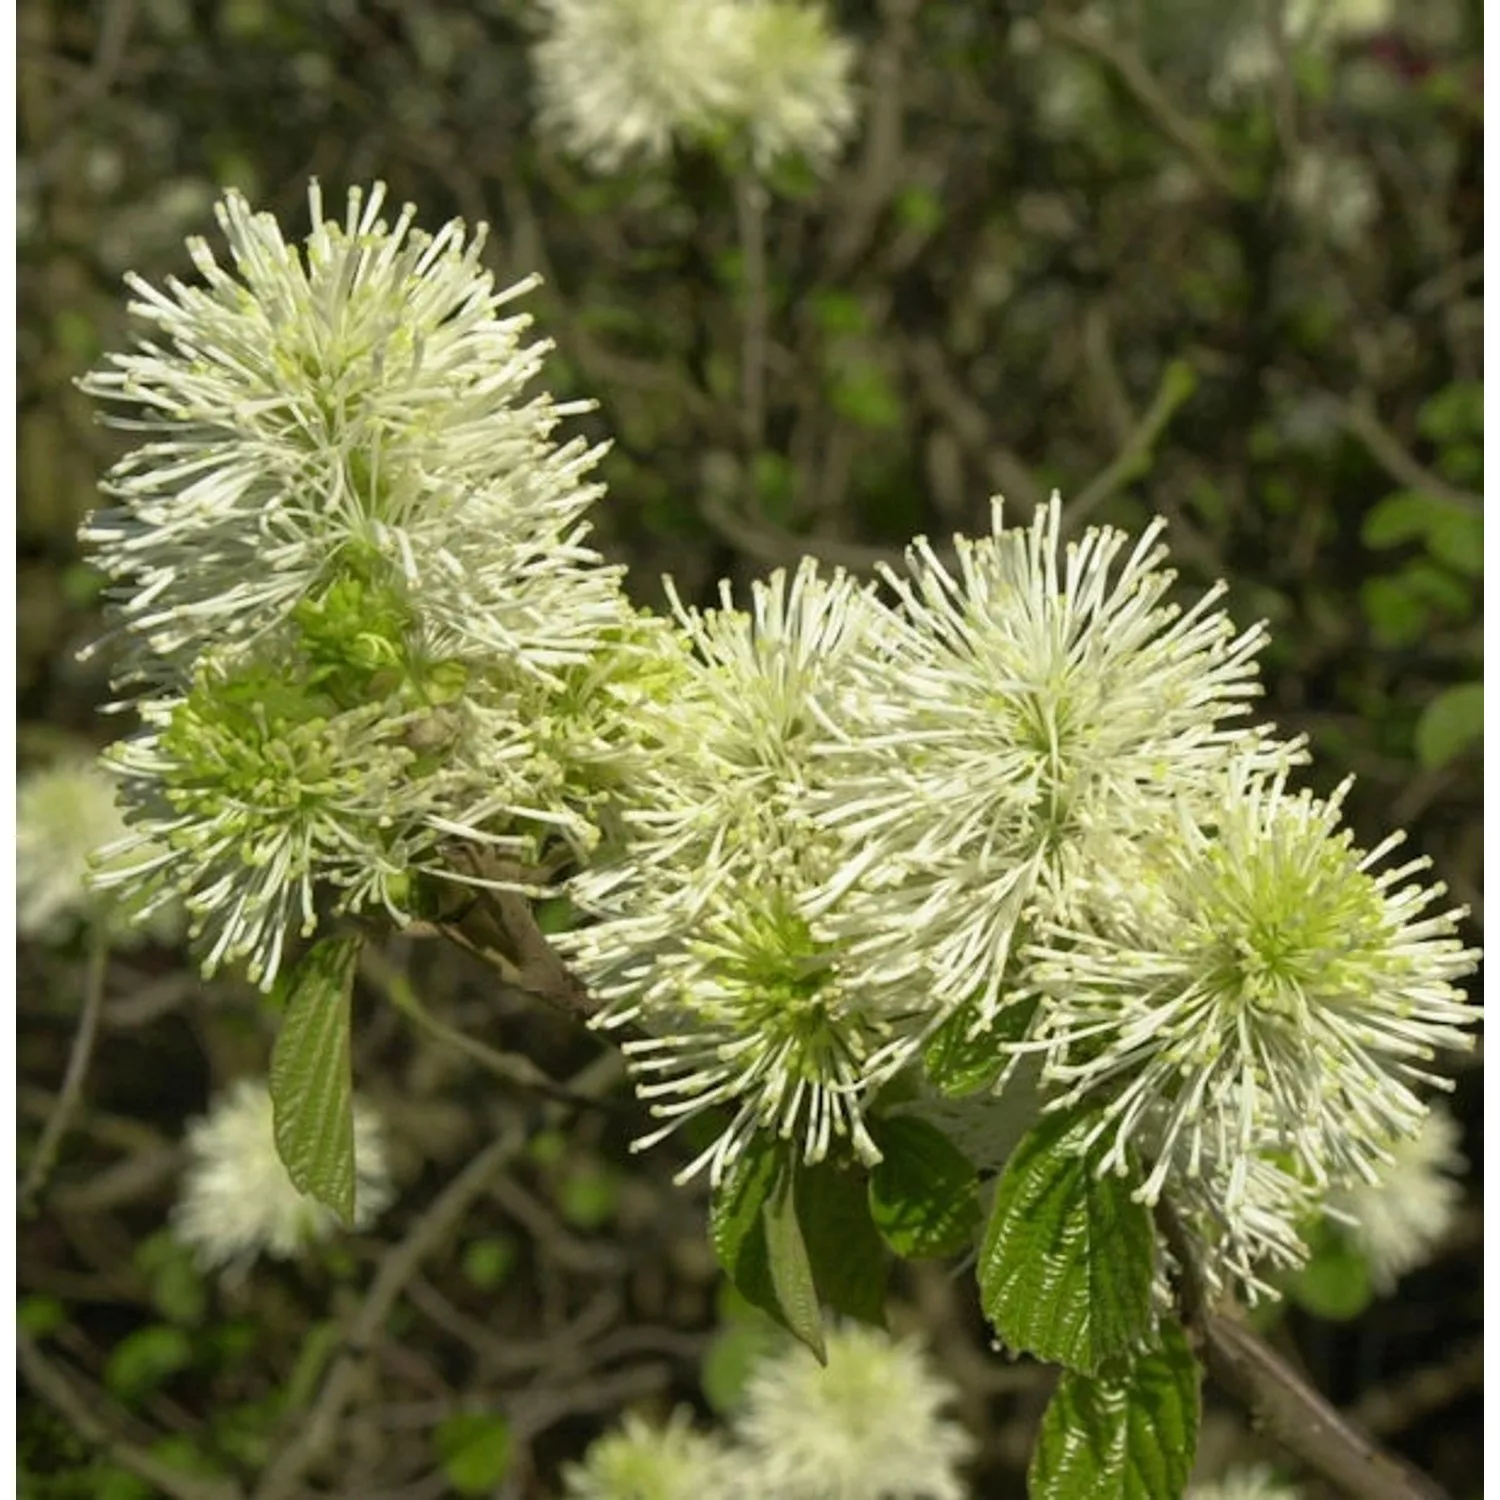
<point>1400,517</point>
<point>1456,537</point>
<point>589,1197</point>
<point>729,1359</point>
<point>1130,1435</point>
<point>488,1262</point>
<point>924,1190</point>
<point>312,1092</point>
<point>792,1237</point>
<point>474,1449</point>
<point>40,1315</point>
<point>1452,722</point>
<point>790,1266</point>
<point>142,1360</point>
<point>735,1228</point>
<point>849,1262</point>
<point>1066,1268</point>
<point>864,393</point>
<point>959,1064</point>
<point>176,1286</point>
<point>1335,1282</point>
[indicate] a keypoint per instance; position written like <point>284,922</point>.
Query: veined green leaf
<point>312,1091</point>
<point>849,1262</point>
<point>790,1268</point>
<point>1067,1263</point>
<point>923,1191</point>
<point>1129,1435</point>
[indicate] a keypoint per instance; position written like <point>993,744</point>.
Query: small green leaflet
<point>923,1192</point>
<point>849,1262</point>
<point>791,1269</point>
<point>1129,1435</point>
<point>959,1064</point>
<point>475,1451</point>
<point>1067,1263</point>
<point>312,1092</point>
<point>793,1237</point>
<point>1450,723</point>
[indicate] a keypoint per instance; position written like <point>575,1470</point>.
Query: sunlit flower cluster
<point>237,1201</point>
<point>352,598</point>
<point>1021,794</point>
<point>701,937</point>
<point>622,80</point>
<point>1033,714</point>
<point>1261,1015</point>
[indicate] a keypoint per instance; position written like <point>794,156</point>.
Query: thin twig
<point>1177,383</point>
<point>1281,1403</point>
<point>1387,450</point>
<point>750,215</point>
<point>510,1067</point>
<point>285,1473</point>
<point>1302,1421</point>
<point>83,1416</point>
<point>1128,66</point>
<point>880,167</point>
<point>1403,1402</point>
<point>77,1070</point>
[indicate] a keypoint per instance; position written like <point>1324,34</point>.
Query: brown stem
<point>1278,1399</point>
<point>71,1093</point>
<point>283,1477</point>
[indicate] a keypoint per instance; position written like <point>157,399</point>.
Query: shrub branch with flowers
<point>994,840</point>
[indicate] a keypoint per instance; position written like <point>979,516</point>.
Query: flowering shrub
<point>1003,821</point>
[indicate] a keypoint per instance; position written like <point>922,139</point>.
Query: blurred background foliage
<point>1135,251</point>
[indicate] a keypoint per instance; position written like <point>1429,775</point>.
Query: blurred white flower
<point>794,93</point>
<point>701,939</point>
<point>237,1201</point>
<point>1026,719</point>
<point>1335,193</point>
<point>64,815</point>
<point>1400,1218</point>
<point>1259,973</point>
<point>1249,56</point>
<point>867,1426</point>
<point>620,79</point>
<point>67,817</point>
<point>1257,1482</point>
<point>637,1461</point>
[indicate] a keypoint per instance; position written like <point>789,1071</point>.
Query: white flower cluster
<point>1400,1218</point>
<point>1255,1482</point>
<point>1019,796</point>
<point>238,1202</point>
<point>67,824</point>
<point>704,940</point>
<point>355,609</point>
<point>620,80</point>
<point>867,1426</point>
